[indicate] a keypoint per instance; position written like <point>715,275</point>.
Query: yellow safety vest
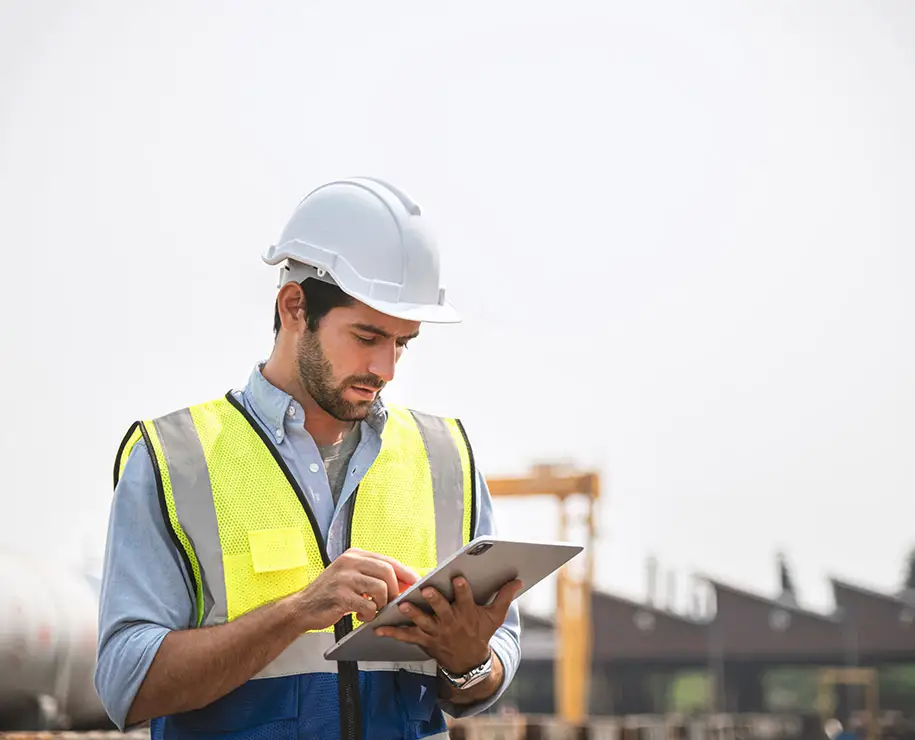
<point>248,537</point>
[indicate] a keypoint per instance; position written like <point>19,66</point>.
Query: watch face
<point>471,678</point>
<point>475,680</point>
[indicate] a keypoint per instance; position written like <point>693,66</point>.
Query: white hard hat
<point>370,239</point>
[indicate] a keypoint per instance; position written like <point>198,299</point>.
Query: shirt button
<point>313,467</point>
<point>279,433</point>
<point>291,410</point>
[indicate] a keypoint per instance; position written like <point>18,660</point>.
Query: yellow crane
<point>572,668</point>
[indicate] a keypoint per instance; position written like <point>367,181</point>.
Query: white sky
<point>681,234</point>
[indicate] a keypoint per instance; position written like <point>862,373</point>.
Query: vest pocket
<point>277,549</point>
<point>418,695</point>
<point>259,702</point>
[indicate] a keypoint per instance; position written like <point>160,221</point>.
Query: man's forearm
<point>480,692</point>
<point>195,667</point>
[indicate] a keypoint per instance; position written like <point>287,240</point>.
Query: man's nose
<point>383,362</point>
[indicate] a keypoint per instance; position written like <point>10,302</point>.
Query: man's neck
<point>323,428</point>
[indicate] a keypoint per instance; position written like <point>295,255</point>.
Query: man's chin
<point>357,411</point>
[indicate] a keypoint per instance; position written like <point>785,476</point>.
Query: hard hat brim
<point>439,313</point>
<point>424,313</point>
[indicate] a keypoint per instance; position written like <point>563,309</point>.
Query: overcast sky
<point>681,234</point>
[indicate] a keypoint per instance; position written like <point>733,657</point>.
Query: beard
<point>317,377</point>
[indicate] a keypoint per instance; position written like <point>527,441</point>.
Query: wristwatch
<point>462,681</point>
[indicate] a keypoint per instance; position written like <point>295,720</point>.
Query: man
<point>247,533</point>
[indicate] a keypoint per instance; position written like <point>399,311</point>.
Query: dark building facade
<point>638,648</point>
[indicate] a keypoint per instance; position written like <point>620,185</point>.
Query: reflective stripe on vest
<point>306,655</point>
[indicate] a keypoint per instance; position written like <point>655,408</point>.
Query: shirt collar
<point>272,404</point>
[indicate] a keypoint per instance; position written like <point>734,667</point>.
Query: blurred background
<point>682,239</point>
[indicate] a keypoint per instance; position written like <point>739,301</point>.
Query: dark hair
<point>320,299</point>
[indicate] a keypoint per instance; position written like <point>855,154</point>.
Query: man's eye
<point>403,345</point>
<point>365,340</point>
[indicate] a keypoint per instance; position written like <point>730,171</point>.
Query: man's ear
<point>290,302</point>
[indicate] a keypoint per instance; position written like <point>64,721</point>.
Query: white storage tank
<point>48,631</point>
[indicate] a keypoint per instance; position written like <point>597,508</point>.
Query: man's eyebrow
<point>372,329</point>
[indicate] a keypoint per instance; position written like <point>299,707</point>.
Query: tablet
<point>488,563</point>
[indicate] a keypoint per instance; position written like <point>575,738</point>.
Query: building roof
<point>866,626</point>
<point>750,626</point>
<point>624,629</point>
<point>883,624</point>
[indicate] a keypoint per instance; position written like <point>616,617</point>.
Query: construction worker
<point>249,533</point>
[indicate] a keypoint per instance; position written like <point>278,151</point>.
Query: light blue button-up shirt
<point>146,591</point>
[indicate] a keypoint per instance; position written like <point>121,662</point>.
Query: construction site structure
<point>572,683</point>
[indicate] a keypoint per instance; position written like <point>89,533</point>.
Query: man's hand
<point>456,635</point>
<point>357,581</point>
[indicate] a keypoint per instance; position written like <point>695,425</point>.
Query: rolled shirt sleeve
<point>145,592</point>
